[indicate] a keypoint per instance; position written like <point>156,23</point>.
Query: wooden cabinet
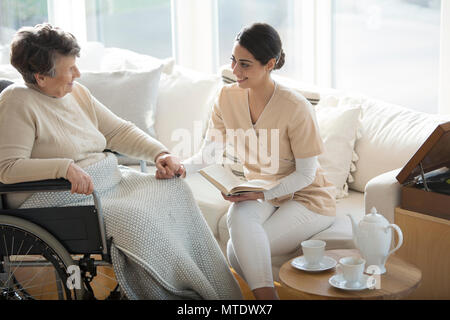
<point>426,244</point>
<point>425,178</point>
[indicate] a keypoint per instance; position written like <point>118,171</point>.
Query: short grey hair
<point>34,50</point>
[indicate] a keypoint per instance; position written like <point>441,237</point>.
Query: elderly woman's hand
<point>168,166</point>
<point>80,180</point>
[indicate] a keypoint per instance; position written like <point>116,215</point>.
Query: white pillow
<point>91,56</point>
<point>122,59</point>
<point>390,135</point>
<point>338,130</point>
<point>7,71</point>
<point>185,100</point>
<point>131,95</point>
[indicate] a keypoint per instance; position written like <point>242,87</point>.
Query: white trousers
<point>259,230</point>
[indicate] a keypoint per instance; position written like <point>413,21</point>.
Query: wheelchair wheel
<point>34,265</point>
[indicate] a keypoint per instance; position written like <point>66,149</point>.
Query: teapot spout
<point>354,230</point>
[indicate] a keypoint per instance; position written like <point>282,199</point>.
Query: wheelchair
<point>52,253</point>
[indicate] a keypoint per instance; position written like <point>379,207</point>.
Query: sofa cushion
<point>131,95</point>
<point>338,236</point>
<point>353,204</point>
<point>185,100</point>
<point>338,129</point>
<point>390,135</point>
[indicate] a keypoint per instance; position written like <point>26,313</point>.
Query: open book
<point>229,184</point>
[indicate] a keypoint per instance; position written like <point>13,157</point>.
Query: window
<point>143,26</point>
<point>15,14</point>
<point>235,14</point>
<point>389,49</point>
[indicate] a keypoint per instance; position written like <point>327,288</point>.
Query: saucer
<point>325,264</point>
<point>338,281</point>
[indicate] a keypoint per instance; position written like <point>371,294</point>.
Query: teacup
<point>352,269</point>
<point>313,251</point>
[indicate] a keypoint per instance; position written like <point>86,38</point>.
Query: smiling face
<point>250,73</point>
<point>61,84</point>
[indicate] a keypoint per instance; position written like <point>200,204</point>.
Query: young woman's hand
<point>80,180</point>
<point>169,166</point>
<point>244,196</point>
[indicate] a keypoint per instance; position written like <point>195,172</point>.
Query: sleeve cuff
<point>159,152</point>
<point>62,173</point>
<point>268,195</point>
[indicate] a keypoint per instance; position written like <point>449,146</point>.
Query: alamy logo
<point>74,279</point>
<point>374,281</point>
<point>252,146</point>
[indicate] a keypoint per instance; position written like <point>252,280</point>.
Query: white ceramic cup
<point>313,251</point>
<point>352,269</point>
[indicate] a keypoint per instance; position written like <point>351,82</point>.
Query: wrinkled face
<point>250,73</point>
<point>62,83</point>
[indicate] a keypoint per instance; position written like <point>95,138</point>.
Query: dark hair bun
<point>280,62</point>
<point>263,42</point>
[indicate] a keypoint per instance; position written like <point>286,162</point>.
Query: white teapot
<point>372,237</point>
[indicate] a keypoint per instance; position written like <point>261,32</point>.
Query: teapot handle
<point>400,238</point>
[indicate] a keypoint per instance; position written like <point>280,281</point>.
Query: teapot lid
<point>373,216</point>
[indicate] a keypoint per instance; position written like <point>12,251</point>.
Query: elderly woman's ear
<point>40,79</point>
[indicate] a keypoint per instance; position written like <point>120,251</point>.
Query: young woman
<point>275,135</point>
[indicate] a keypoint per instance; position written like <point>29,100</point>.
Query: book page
<point>222,178</point>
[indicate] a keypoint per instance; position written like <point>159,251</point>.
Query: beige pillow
<point>338,126</point>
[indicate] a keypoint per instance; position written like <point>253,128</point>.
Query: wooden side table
<point>426,243</point>
<point>400,279</point>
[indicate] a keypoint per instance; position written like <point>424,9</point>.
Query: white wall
<point>444,63</point>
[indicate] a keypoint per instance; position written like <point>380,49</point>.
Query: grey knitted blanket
<point>162,247</point>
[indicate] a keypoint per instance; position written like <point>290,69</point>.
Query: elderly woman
<point>52,127</point>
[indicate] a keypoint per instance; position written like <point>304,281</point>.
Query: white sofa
<point>363,161</point>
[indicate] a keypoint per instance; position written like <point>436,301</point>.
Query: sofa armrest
<point>383,193</point>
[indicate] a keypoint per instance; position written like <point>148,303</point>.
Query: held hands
<point>80,180</point>
<point>169,166</point>
<point>244,196</point>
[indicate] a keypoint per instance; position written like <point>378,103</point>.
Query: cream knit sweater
<point>40,136</point>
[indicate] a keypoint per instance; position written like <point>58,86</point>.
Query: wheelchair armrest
<point>35,186</point>
<point>56,185</point>
<point>142,163</point>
